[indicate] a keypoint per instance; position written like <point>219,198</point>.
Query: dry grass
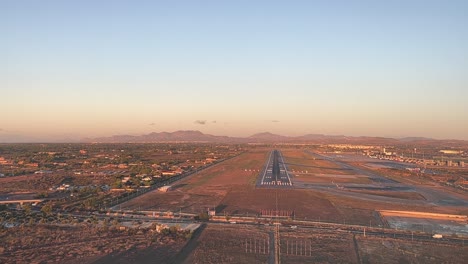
<point>227,244</point>
<point>393,194</point>
<point>84,244</point>
<point>29,183</point>
<point>205,189</point>
<point>329,178</point>
<point>305,203</point>
<point>231,189</point>
<point>298,160</point>
<point>376,250</point>
<point>359,211</point>
<point>317,247</point>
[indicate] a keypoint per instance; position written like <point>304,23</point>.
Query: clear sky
<point>73,69</point>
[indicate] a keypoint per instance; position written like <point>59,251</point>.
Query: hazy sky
<point>72,69</point>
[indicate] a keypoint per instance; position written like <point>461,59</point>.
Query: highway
<point>275,172</point>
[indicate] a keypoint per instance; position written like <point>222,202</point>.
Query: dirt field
<point>205,189</point>
<point>29,183</point>
<point>309,169</point>
<point>299,161</point>
<point>428,222</point>
<point>316,247</point>
<point>393,194</point>
<point>230,188</point>
<point>82,244</point>
<point>241,244</point>
<point>330,178</point>
<point>359,211</point>
<point>444,227</point>
<point>305,203</point>
<point>231,244</point>
<point>376,250</point>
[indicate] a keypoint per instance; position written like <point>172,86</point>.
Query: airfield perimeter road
<point>275,172</point>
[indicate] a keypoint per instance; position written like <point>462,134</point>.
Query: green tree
<point>173,229</point>
<point>145,170</point>
<point>203,216</point>
<point>90,202</point>
<point>136,182</point>
<point>105,224</point>
<point>47,208</point>
<point>42,195</point>
<point>147,183</point>
<point>117,184</point>
<point>27,208</point>
<point>115,223</point>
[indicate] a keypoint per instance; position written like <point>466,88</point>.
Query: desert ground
<point>227,243</point>
<point>325,188</point>
<point>87,244</point>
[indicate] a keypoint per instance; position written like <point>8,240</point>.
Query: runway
<point>275,172</point>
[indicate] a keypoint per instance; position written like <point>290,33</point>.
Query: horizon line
<point>87,138</point>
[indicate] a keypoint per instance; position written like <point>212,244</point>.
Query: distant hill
<point>177,136</point>
<point>267,137</point>
<point>409,139</point>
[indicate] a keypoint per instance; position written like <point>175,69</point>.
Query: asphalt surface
<point>275,173</point>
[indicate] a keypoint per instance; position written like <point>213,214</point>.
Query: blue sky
<point>93,68</point>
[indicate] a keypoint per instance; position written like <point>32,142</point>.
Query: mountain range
<point>265,137</point>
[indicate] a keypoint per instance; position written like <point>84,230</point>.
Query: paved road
<point>30,201</point>
<point>275,172</point>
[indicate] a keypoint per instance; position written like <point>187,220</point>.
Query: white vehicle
<point>293,227</point>
<point>437,236</point>
<point>233,222</point>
